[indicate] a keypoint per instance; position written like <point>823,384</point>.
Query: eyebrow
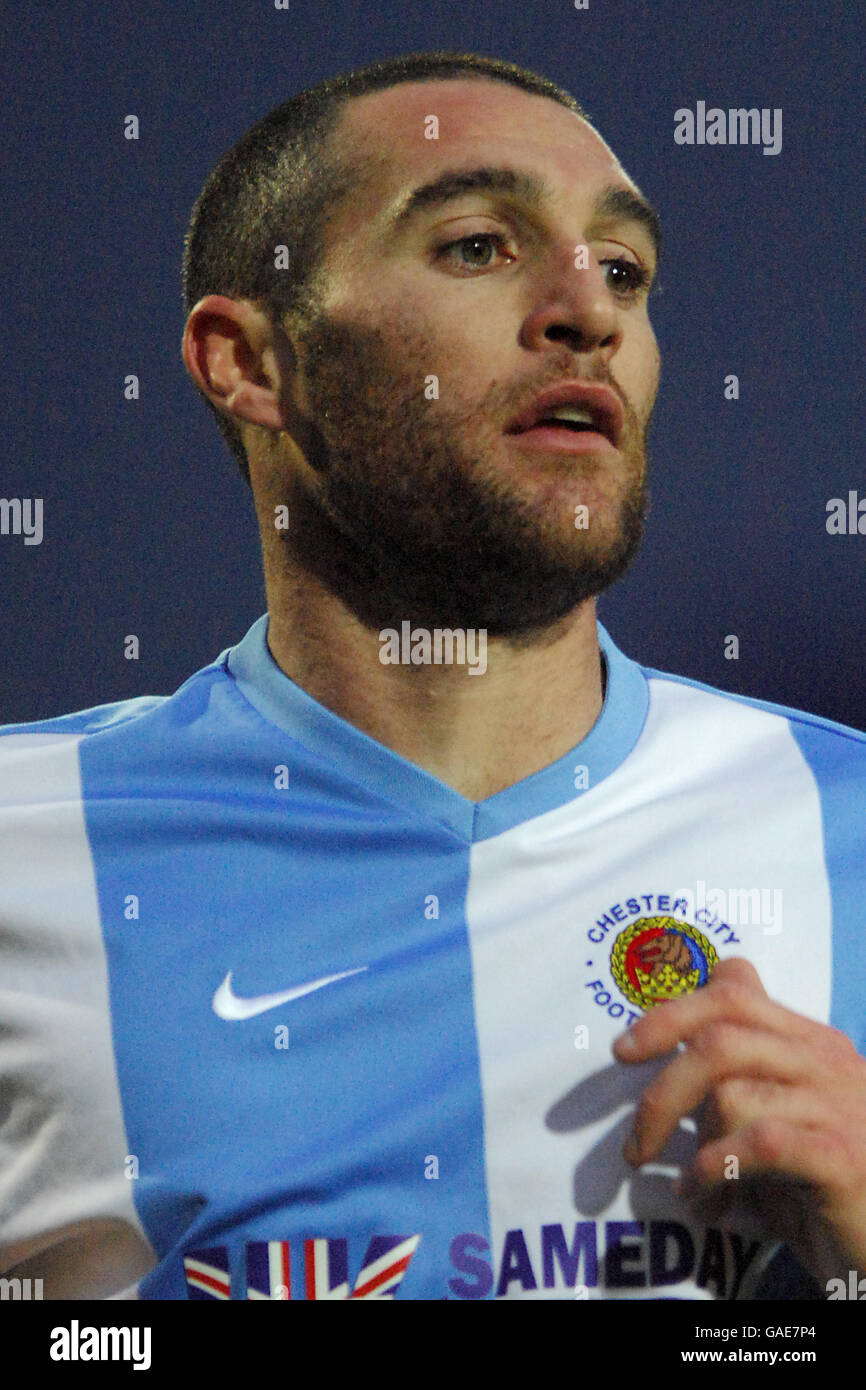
<point>613,204</point>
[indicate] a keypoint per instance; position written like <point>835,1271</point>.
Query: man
<point>314,988</point>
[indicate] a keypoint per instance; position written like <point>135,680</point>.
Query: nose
<point>573,306</point>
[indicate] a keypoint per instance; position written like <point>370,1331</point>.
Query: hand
<point>784,1095</point>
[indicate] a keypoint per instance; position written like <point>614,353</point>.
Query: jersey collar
<point>283,703</point>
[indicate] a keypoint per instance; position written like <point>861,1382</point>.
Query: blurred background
<point>148,526</point>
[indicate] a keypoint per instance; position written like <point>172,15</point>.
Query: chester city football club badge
<point>658,958</point>
<point>644,950</point>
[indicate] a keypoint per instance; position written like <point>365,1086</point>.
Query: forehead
<point>480,122</point>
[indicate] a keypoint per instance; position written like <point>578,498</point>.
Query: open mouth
<point>577,415</point>
<point>554,432</point>
<point>574,426</point>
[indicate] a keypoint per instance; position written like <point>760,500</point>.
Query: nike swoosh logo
<point>226,1003</point>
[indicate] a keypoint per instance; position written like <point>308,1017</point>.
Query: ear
<point>231,351</point>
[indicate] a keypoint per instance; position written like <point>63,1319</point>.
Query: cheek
<point>412,328</point>
<point>447,313</point>
<point>637,366</point>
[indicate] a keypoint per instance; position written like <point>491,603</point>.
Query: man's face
<point>438,320</point>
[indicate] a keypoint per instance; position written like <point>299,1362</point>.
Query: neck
<point>536,697</point>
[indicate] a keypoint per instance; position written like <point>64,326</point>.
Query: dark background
<point>148,526</point>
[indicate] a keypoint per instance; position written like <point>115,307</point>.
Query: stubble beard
<point>402,521</point>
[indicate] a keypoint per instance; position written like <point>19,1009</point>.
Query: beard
<point>405,515</point>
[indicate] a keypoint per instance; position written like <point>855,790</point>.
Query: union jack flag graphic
<point>326,1264</point>
<point>269,1269</point>
<point>385,1263</point>
<point>326,1269</point>
<point>207,1273</point>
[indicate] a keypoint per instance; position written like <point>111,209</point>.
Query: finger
<point>823,1159</point>
<point>737,1102</point>
<point>740,971</point>
<point>730,994</point>
<point>820,1156</point>
<point>722,1052</point>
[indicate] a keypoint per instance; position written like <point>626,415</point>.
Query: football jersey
<point>284,1016</point>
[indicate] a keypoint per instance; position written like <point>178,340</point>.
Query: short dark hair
<point>277,184</point>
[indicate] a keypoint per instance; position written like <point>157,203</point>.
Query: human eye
<point>632,279</point>
<point>473,252</point>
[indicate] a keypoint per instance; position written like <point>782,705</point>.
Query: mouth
<point>568,439</point>
<point>575,417</point>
